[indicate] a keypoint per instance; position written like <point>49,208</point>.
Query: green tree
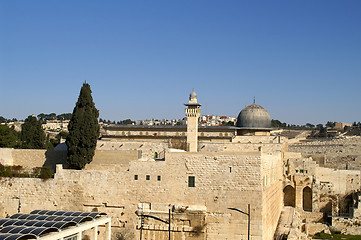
<point>32,134</point>
<point>83,130</point>
<point>64,116</point>
<point>9,138</point>
<point>2,119</point>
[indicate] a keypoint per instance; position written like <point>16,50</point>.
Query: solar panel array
<point>41,222</point>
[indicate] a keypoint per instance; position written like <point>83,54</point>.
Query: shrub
<point>46,173</point>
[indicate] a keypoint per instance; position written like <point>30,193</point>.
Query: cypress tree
<point>9,138</point>
<point>32,134</point>
<point>83,130</point>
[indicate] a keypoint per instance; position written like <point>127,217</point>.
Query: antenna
<point>254,100</point>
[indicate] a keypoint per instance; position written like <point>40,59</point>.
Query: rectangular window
<point>301,171</point>
<point>191,181</point>
<point>147,177</point>
<point>159,178</point>
<point>135,177</point>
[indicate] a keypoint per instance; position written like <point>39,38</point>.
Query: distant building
<point>340,125</point>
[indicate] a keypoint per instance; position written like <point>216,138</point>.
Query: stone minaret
<point>193,112</point>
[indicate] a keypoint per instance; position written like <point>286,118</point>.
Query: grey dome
<point>192,95</point>
<point>254,116</point>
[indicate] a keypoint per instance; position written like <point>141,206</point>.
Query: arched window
<point>289,196</point>
<point>307,199</point>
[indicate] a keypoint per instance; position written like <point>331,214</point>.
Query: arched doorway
<point>346,205</point>
<point>307,199</point>
<point>289,196</point>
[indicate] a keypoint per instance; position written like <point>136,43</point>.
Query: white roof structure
<point>53,225</point>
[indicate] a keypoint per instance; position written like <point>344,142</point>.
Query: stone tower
<point>193,112</point>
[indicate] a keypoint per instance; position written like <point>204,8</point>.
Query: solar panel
<point>6,229</point>
<point>59,213</point>
<point>68,213</point>
<point>35,212</point>
<point>50,218</point>
<point>43,230</point>
<point>19,222</point>
<point>4,221</point>
<point>60,218</point>
<point>17,229</point>
<point>41,217</point>
<point>31,216</point>
<point>82,219</point>
<point>16,236</point>
<point>39,222</point>
<point>61,225</point>
<point>42,212</point>
<point>20,237</point>
<point>76,214</point>
<point>16,216</point>
<point>31,223</point>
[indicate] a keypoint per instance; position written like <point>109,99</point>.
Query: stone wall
<point>146,148</point>
<point>267,144</point>
<point>5,156</point>
<point>272,201</point>
<point>222,180</point>
<point>115,160</point>
<point>103,159</point>
<point>342,153</point>
<point>341,181</point>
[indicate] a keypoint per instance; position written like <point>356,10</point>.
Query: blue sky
<point>301,59</point>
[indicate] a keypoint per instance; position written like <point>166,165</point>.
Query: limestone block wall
<point>5,156</point>
<point>28,157</point>
<point>272,200</point>
<point>147,148</point>
<point>220,181</point>
<point>241,147</point>
<point>103,159</point>
<point>114,160</point>
<point>343,153</point>
<point>342,181</point>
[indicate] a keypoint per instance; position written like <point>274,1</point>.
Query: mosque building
<point>253,120</point>
<point>204,183</point>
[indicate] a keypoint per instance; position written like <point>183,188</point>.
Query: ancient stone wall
<point>340,181</point>
<point>220,181</point>
<point>5,156</point>
<point>247,144</point>
<point>272,201</point>
<point>147,148</point>
<point>115,160</point>
<point>103,160</point>
<point>343,153</point>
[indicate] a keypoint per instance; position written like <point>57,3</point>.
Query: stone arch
<point>307,199</point>
<point>289,196</point>
<point>346,205</point>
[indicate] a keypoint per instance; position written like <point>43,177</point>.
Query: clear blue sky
<point>301,59</point>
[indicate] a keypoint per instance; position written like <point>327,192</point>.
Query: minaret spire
<point>193,112</point>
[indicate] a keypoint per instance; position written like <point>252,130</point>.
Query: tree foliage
<point>2,119</point>
<point>32,134</point>
<point>9,138</point>
<point>52,116</point>
<point>126,122</point>
<point>83,130</point>
<point>277,124</point>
